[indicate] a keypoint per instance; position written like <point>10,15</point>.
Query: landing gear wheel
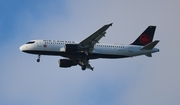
<point>83,68</point>
<point>38,60</point>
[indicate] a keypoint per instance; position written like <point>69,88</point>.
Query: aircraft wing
<point>90,41</point>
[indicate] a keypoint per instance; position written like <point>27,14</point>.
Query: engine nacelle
<point>71,47</point>
<point>66,63</point>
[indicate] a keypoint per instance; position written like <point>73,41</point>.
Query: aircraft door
<point>39,44</point>
<point>130,49</point>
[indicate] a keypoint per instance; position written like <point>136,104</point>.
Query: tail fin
<point>146,37</point>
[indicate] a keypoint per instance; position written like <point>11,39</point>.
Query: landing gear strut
<point>38,60</point>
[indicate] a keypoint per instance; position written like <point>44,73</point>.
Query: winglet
<point>110,24</point>
<point>150,46</point>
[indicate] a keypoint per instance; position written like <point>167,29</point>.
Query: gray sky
<point>138,81</point>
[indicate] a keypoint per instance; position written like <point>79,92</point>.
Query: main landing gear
<point>83,67</point>
<point>38,60</point>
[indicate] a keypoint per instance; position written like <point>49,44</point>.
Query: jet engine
<point>66,63</point>
<point>71,47</point>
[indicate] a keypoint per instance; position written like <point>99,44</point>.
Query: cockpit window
<point>31,42</point>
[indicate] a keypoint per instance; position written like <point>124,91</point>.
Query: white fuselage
<point>79,53</point>
<point>55,47</point>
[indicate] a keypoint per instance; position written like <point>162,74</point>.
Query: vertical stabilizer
<point>146,37</point>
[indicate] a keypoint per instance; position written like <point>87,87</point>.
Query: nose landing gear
<point>38,60</point>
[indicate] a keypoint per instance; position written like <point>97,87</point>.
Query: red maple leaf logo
<point>145,39</point>
<point>45,45</point>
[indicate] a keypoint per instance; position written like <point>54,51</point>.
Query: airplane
<point>79,53</point>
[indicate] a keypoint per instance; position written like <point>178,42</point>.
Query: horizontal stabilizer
<point>149,55</point>
<point>150,46</point>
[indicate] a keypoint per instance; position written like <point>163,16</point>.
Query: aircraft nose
<point>21,48</point>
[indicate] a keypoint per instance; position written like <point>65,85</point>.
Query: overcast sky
<point>130,81</point>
